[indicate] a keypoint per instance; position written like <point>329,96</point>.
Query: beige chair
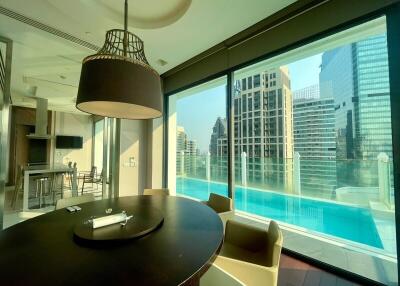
<point>222,206</point>
<point>152,192</point>
<point>63,203</point>
<point>249,255</point>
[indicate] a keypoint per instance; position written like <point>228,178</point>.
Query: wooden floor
<point>293,272</point>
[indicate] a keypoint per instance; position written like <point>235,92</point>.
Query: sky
<point>197,113</point>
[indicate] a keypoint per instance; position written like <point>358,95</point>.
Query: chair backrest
<point>69,164</point>
<point>265,245</point>
<point>63,203</point>
<point>93,171</point>
<point>151,192</point>
<point>74,166</point>
<point>275,240</point>
<point>219,203</point>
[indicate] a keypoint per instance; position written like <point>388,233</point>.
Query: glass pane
<point>98,143</point>
<point>318,157</point>
<point>198,141</point>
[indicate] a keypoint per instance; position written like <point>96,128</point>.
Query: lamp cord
<point>125,44</point>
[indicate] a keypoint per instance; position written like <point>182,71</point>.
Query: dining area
<point>150,239</point>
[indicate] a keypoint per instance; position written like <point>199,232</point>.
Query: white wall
<point>75,125</point>
<point>155,153</point>
<point>133,157</point>
<point>141,140</point>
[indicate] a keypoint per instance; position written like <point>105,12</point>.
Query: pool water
<point>334,219</point>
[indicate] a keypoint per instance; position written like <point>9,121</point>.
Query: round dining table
<point>44,251</point>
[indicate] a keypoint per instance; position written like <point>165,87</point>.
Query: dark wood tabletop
<point>43,251</point>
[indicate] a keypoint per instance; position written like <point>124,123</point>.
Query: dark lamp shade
<point>119,88</point>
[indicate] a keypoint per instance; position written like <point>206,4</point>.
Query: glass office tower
<point>357,77</point>
<point>371,88</point>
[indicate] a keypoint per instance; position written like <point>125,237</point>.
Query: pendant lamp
<point>118,81</point>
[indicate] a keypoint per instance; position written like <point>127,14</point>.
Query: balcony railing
<point>352,181</point>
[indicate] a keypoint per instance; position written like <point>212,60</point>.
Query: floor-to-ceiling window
<point>312,148</point>
<point>197,153</point>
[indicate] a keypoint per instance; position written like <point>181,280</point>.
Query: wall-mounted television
<point>69,142</point>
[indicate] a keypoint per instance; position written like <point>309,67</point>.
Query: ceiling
<point>48,66</point>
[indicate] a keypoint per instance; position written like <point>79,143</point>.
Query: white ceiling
<point>172,30</point>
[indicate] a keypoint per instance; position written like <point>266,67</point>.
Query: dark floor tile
<point>313,277</point>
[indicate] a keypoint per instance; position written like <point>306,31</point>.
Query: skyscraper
<point>314,140</point>
<point>263,115</point>
<point>309,92</point>
<point>219,132</point>
<point>186,151</point>
<point>371,81</point>
<point>356,76</point>
<point>336,81</point>
<point>263,127</point>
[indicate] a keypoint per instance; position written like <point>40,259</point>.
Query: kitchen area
<point>50,157</point>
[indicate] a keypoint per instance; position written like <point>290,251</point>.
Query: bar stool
<point>42,188</point>
<point>57,185</point>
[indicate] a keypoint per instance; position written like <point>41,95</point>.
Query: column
<point>384,179</point>
<point>296,173</point>
<point>244,168</point>
<point>182,163</point>
<point>208,170</point>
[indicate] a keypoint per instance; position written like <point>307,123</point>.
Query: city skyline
<point>354,75</point>
<point>199,128</point>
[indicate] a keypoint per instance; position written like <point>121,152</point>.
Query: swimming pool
<point>338,220</point>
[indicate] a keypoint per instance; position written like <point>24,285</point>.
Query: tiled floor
<point>293,272</point>
<point>14,215</point>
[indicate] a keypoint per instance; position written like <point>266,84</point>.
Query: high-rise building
<point>263,127</point>
<point>186,151</point>
<point>314,140</point>
<point>263,115</point>
<point>181,139</point>
<point>371,77</point>
<point>336,81</point>
<point>309,92</point>
<point>219,132</point>
<point>357,77</point>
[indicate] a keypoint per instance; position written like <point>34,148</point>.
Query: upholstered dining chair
<point>249,256</point>
<point>222,206</point>
<point>72,201</point>
<point>151,192</point>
